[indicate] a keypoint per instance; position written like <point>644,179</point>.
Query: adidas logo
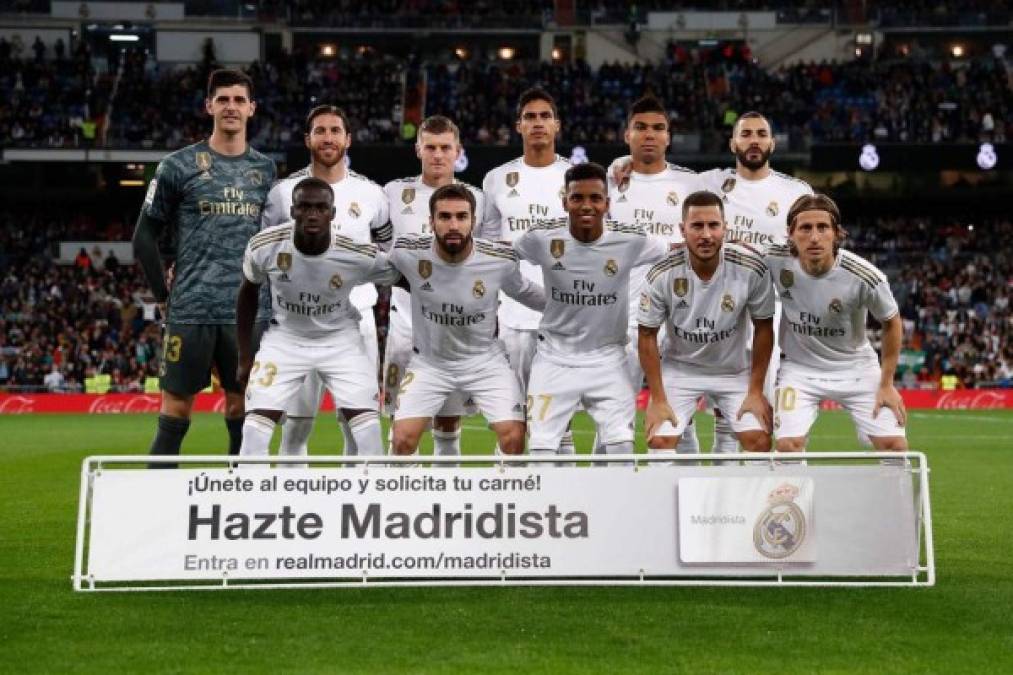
<point>786,294</point>
<point>407,210</point>
<point>513,193</point>
<point>622,199</point>
<point>205,176</point>
<point>682,305</point>
<point>284,277</point>
<point>427,286</point>
<point>518,408</point>
<point>558,266</point>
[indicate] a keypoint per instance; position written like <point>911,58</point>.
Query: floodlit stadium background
<point>900,110</point>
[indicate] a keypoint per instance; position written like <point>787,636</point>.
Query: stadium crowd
<point>62,323</point>
<point>55,102</point>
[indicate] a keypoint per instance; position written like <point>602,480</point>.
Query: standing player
<point>361,215</point>
<point>455,282</point>
<point>207,197</point>
<point>827,293</point>
<point>581,357</point>
<point>521,193</point>
<point>438,146</point>
<point>314,329</point>
<point>706,295</point>
<point>757,198</point>
<point>650,196</point>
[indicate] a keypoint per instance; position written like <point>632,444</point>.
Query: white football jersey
<point>360,214</point>
<point>653,202</point>
<point>516,197</point>
<point>823,318</point>
<point>408,203</point>
<point>587,288</point>
<point>310,294</point>
<point>454,304</point>
<point>708,322</point>
<point>756,211</point>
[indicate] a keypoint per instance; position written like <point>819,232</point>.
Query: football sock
<point>725,440</point>
<point>295,436</point>
<point>351,442</point>
<point>235,427</point>
<point>364,429</point>
<point>689,444</point>
<point>448,443</point>
<point>257,432</point>
<point>168,439</point>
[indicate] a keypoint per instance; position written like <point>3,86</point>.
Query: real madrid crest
<point>772,209</point>
<point>336,282</point>
<point>254,176</point>
<point>836,306</point>
<point>672,199</point>
<point>645,302</point>
<point>787,278</point>
<point>780,528</point>
<point>728,185</point>
<point>478,290</point>
<point>513,178</point>
<point>284,261</point>
<point>556,248</point>
<point>425,268</point>
<point>727,304</point>
<point>408,195</point>
<point>353,210</point>
<point>203,160</point>
<point>611,267</point>
<point>680,286</point>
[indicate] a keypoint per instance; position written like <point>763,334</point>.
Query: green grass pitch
<point>964,624</point>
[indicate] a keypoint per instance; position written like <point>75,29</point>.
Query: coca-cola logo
<point>17,405</point>
<point>971,400</point>
<point>105,405</point>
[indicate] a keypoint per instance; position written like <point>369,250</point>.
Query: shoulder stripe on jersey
<point>271,234</point>
<point>553,224</point>
<point>496,251</point>
<point>413,242</point>
<point>628,229</point>
<point>383,233</point>
<point>779,250</point>
<point>861,272</point>
<point>861,263</point>
<point>673,260</point>
<point>345,242</point>
<point>749,263</point>
<point>368,251</point>
<point>256,243</point>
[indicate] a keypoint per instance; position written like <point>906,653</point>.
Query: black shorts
<point>190,351</point>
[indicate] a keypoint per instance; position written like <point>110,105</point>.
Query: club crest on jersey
<point>284,261</point>
<point>556,248</point>
<point>645,302</point>
<point>408,195</point>
<point>611,267</point>
<point>255,177</point>
<point>728,185</point>
<point>787,278</point>
<point>478,290</point>
<point>772,209</point>
<point>727,304</point>
<point>203,161</point>
<point>353,210</point>
<point>672,198</point>
<point>836,306</point>
<point>680,286</point>
<point>336,282</point>
<point>513,178</point>
<point>425,268</point>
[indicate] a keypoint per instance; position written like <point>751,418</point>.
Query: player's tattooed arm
<point>146,251</point>
<point>658,409</point>
<point>246,312</point>
<point>755,402</point>
<point>887,394</point>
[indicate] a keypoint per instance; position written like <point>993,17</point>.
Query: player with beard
<point>707,295</point>
<point>360,214</point>
<point>438,147</point>
<point>756,199</point>
<point>455,283</point>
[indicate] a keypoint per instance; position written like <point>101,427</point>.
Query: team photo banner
<point>518,522</point>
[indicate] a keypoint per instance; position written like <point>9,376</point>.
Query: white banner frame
<point>923,575</point>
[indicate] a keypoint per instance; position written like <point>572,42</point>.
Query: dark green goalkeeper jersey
<point>213,202</point>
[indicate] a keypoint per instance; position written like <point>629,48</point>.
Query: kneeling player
<point>826,293</point>
<point>706,294</point>
<point>455,283</point>
<point>315,326</point>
